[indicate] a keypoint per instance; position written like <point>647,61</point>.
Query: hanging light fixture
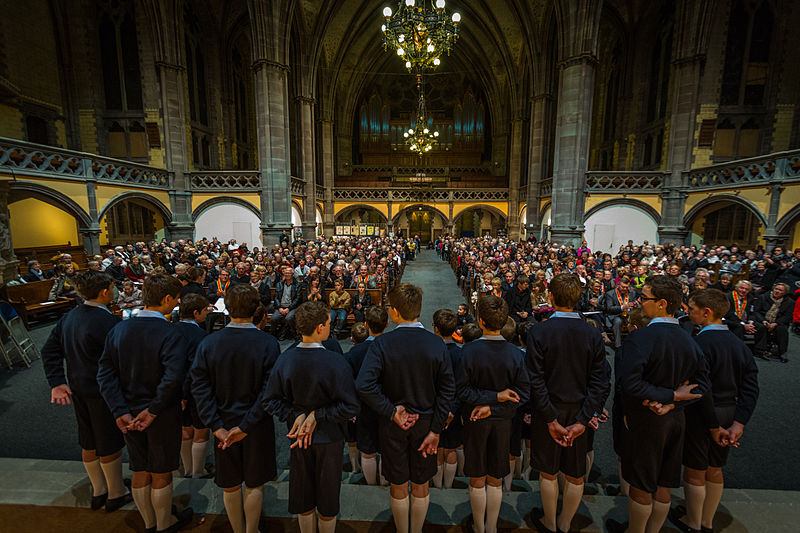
<point>420,138</point>
<point>420,31</point>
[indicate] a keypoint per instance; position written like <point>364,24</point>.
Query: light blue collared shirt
<point>310,345</point>
<point>492,338</point>
<point>370,338</point>
<point>190,322</point>
<point>714,327</point>
<point>416,324</point>
<point>664,320</point>
<point>95,304</point>
<point>565,314</point>
<point>144,313</point>
<point>241,325</point>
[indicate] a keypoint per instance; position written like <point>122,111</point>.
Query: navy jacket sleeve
<point>631,373</point>
<point>53,357</point>
<point>203,390</point>
<point>108,380</point>
<point>598,388</point>
<point>368,382</point>
<point>748,393</point>
<point>539,394</point>
<point>446,390</point>
<point>521,386</point>
<point>256,412</point>
<point>346,405</point>
<point>173,362</point>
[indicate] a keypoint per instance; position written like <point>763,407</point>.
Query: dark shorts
<point>486,444</point>
<point>97,428</point>
<point>402,462</point>
<point>453,435</point>
<point>617,423</point>
<point>699,449</point>
<point>351,432</point>
<point>550,457</point>
<point>652,449</point>
<point>158,448</point>
<point>315,478</point>
<point>367,431</point>
<point>250,461</point>
<point>190,415</point>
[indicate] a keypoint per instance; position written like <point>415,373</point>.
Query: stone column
<point>8,261</point>
<point>771,236</point>
<point>514,178</point>
<point>328,220</point>
<point>90,235</point>
<point>272,120</point>
<point>573,130</point>
<point>308,147</point>
<point>540,120</point>
<point>389,225</point>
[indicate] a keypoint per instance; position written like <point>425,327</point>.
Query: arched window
<point>195,67</point>
<point>37,130</point>
<point>747,52</point>
<point>119,54</point>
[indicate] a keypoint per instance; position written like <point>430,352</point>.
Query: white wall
<point>612,227</point>
<point>229,221</point>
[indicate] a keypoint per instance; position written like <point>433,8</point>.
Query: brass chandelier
<point>420,138</point>
<point>420,32</point>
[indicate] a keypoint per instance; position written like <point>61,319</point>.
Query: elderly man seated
<point>772,316</point>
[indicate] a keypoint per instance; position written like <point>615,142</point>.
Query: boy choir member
<point>407,379</point>
<point>229,373</point>
<point>358,335</point>
<point>312,389</point>
<point>141,374</point>
<point>451,441</point>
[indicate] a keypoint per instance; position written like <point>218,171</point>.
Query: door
<point>603,237</point>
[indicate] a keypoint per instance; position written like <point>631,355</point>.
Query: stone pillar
<point>389,225</point>
<point>540,120</point>
<point>8,261</point>
<point>771,236</point>
<point>514,178</point>
<point>272,119</point>
<point>573,130</point>
<point>90,235</point>
<point>308,147</point>
<point>328,220</point>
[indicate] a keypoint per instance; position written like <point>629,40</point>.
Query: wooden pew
<point>375,294</point>
<point>30,299</point>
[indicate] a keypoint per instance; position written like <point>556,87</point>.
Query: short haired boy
<point>492,382</point>
<point>141,374</point>
<point>228,376</point>
<point>716,422</point>
<point>407,379</point>
<point>358,334</point>
<point>451,442</point>
<point>367,421</point>
<point>78,339</point>
<point>567,361</point>
<point>195,435</point>
<point>313,391</point>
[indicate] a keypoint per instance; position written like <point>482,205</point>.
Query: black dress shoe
<point>99,501</point>
<point>183,518</point>
<point>675,514</point>
<point>150,529</point>
<point>538,524</point>
<point>112,504</point>
<point>613,526</point>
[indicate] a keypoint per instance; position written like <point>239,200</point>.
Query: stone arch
<point>784,225</point>
<point>208,204</point>
<point>415,207</point>
<point>163,210</point>
<point>495,211</point>
<point>630,202</point>
<point>547,205</point>
<point>26,189</point>
<point>689,217</point>
<point>353,207</point>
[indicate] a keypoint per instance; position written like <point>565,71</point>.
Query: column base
<point>309,231</point>
<point>771,240</point>
<point>673,235</point>
<point>91,241</point>
<point>182,231</point>
<point>328,229</point>
<point>271,235</point>
<point>567,236</point>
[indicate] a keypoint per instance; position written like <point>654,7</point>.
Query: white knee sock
<point>437,477</point>
<point>419,510</point>
<point>369,466</point>
<point>638,514</point>
<point>199,453</point>
<point>657,517</point>
<point>327,526</point>
<point>569,505</point>
<point>695,498</point>
<point>517,469</point>
<point>460,461</point>
<point>509,477</point>
<point>253,498</point>
<point>589,463</point>
<point>713,497</point>
<point>449,474</point>
<point>549,490</point>
<point>141,497</point>
<point>186,457</point>
<point>477,500</point>
<point>112,472</point>
<point>233,506</point>
<point>494,499</point>
<point>400,513</point>
<point>307,523</point>
<point>162,505</point>
<point>96,477</point>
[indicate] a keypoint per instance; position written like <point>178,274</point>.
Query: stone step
<point>65,484</point>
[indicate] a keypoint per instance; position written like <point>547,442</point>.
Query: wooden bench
<point>30,299</point>
<point>45,255</point>
<point>376,295</point>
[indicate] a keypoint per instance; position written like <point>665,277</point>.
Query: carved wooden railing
<point>413,194</point>
<point>780,166</point>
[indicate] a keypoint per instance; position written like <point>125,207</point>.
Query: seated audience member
<point>34,272</point>
<point>724,284</point>
<point>129,299</point>
<point>772,316</point>
<point>340,303</point>
<point>195,276</point>
<point>134,270</point>
<point>64,286</point>
<point>361,302</point>
<point>518,298</point>
<point>288,296</point>
<point>739,317</point>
